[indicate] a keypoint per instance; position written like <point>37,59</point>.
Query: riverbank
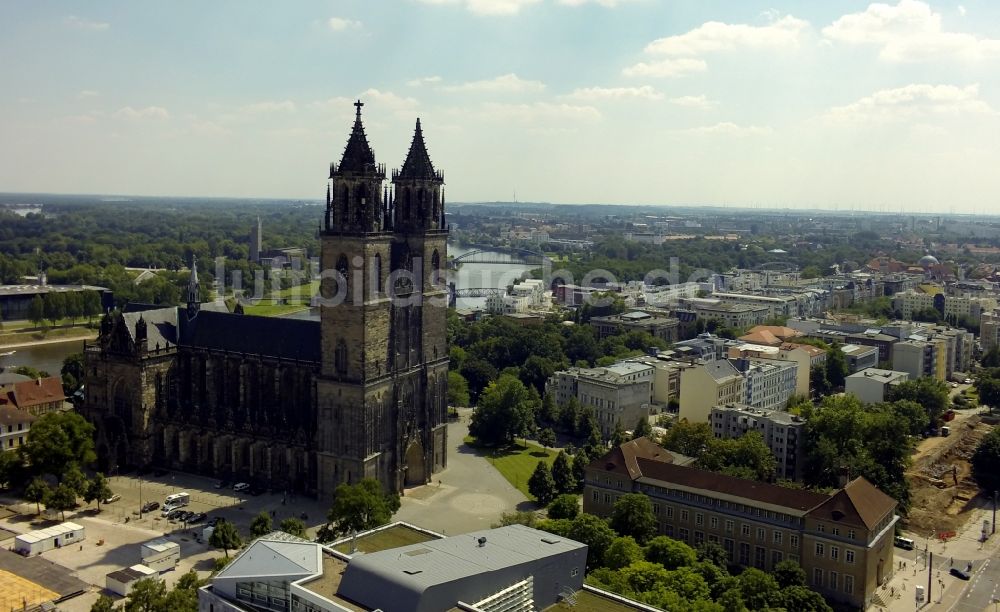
<point>56,336</point>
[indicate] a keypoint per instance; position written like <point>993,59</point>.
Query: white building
<point>782,432</point>
<point>36,542</point>
<point>619,394</point>
<point>161,555</point>
<point>951,306</point>
<point>872,386</point>
<point>120,582</point>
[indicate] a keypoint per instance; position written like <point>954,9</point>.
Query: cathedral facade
<point>297,404</point>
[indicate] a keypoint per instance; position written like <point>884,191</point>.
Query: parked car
<point>113,498</point>
<point>197,518</point>
<point>958,573</point>
<point>150,506</point>
<point>173,515</point>
<point>239,487</point>
<point>222,484</point>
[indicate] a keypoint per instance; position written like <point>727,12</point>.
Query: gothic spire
<point>193,288</point>
<point>358,156</point>
<point>418,163</point>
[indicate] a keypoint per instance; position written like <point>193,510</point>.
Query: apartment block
<point>872,385</point>
<point>859,357</point>
<point>664,328</point>
<point>618,394</point>
<point>782,432</point>
<point>707,385</point>
<point>920,358</point>
<point>731,315</point>
<point>989,330</point>
<point>950,306</point>
<point>843,540</point>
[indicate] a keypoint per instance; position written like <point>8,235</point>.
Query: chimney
<point>482,542</point>
<point>843,476</point>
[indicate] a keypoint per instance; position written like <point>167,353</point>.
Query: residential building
<point>704,347</point>
<point>34,396</point>
<point>859,357</point>
<point>989,330</point>
<point>710,384</point>
<point>498,570</point>
<point>844,541</point>
<point>737,316</point>
<point>782,432</point>
<point>503,304</point>
<point>770,335</point>
<point>951,307</point>
<point>619,394</point>
<point>920,358</point>
<point>664,328</point>
<point>872,385</point>
<point>770,383</point>
<point>803,355</point>
<point>666,378</point>
<point>14,426</point>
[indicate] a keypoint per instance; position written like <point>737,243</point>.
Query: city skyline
<point>857,106</point>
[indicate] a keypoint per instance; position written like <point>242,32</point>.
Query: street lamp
<point>994,528</point>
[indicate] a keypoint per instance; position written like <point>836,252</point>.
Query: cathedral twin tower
<point>382,389</point>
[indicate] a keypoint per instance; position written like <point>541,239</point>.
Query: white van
<point>176,500</point>
<point>904,543</point>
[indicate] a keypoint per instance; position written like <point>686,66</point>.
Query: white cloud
<point>431,80</point>
<point>912,102</point>
<point>727,128</point>
<point>604,3</point>
<point>693,101</point>
<point>510,83</point>
<point>487,7</point>
<point>540,111</point>
<point>389,100</point>
<point>615,93</point>
<point>666,67</point>
<point>961,10</point>
<point>717,36</point>
<point>268,106</point>
<point>339,24</point>
<point>909,31</point>
<point>82,23</point>
<point>88,93</point>
<point>149,112</point>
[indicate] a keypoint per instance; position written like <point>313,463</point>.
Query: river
<point>46,357</point>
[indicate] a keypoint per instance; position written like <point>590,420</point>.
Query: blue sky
<point>884,106</point>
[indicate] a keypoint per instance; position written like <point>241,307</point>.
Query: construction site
<point>943,492</point>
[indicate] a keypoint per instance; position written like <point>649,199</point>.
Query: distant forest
<point>83,240</point>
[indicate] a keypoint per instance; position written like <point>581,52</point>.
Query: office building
<point>782,432</point>
<point>872,385</point>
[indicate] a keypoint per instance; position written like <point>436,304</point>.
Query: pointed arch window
<point>340,357</point>
<point>435,268</point>
<point>343,279</point>
<point>378,274</point>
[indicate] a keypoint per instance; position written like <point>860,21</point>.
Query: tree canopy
<point>359,507</point>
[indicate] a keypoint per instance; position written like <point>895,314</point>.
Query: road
<point>981,590</point>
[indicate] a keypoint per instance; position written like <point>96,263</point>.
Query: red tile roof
<point>859,503</point>
<point>9,415</point>
<point>39,391</point>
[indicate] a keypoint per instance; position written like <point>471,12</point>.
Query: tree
<point>478,373</point>
<point>803,599</point>
<point>818,380</point>
<point>97,490</point>
<point>565,506</point>
<point>691,439</point>
<point>505,411</point>
<point>541,485</point>
<point>146,595</point>
<point>562,474</point>
<point>618,436</point>
<point>55,306</point>
<point>36,311</point>
<point>547,437</point>
<point>595,533</point>
<point>760,590</point>
<point>295,527</point>
<point>991,359</point>
<point>642,429</point>
<point>549,412</point>
<point>712,553</point>
<point>184,596</point>
<point>986,462</point>
<point>75,479</point>
<point>930,393</point>
<point>836,366</point>
<point>580,462</point>
<point>788,573</point>
<point>103,604</point>
<point>670,553</point>
<point>458,389</point>
<point>225,536</point>
<point>359,507</point>
<point>632,515</point>
<point>988,389</point>
<point>569,416</point>
<point>72,373</point>
<point>37,491</point>
<point>622,552</point>
<point>261,525</point>
<point>58,440</point>
<point>536,371</point>
<point>62,498</point>
<point>914,414</point>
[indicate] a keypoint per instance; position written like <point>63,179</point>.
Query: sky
<point>847,105</point>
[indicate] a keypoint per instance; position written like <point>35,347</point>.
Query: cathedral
<point>292,404</point>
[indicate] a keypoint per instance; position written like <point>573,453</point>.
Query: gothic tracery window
<point>340,357</point>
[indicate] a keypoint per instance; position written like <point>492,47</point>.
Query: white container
<point>121,581</point>
<point>37,542</point>
<point>161,555</point>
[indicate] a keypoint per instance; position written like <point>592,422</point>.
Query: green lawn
<point>393,537</point>
<point>515,463</point>
<point>273,310</point>
<point>303,292</point>
<point>63,333</point>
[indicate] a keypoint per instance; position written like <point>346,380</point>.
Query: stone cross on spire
<point>358,106</point>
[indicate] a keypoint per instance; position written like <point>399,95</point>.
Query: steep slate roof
<point>859,503</point>
<point>418,163</point>
<point>267,336</point>
<point>693,478</point>
<point>161,325</point>
<point>39,391</point>
<point>358,155</point>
